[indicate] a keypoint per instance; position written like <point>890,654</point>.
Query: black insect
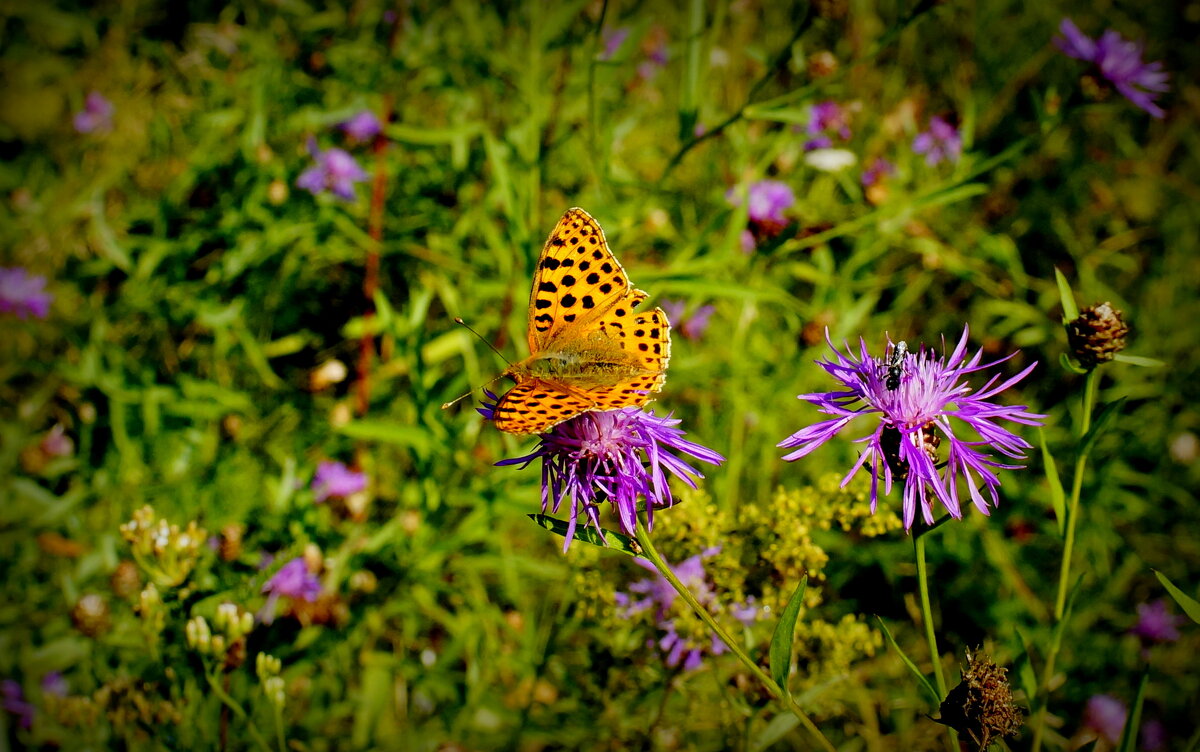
<point>895,366</point>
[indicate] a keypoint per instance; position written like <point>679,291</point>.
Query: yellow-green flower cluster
<point>778,535</point>
<point>267,667</point>
<point>753,558</point>
<point>232,624</point>
<point>167,553</point>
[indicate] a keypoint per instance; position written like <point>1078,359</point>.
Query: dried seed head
<point>981,706</point>
<point>1097,335</point>
<point>91,615</point>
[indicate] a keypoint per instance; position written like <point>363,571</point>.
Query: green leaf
<point>587,534</point>
<point>1070,365</point>
<point>1070,310</point>
<point>1135,360</point>
<point>916,672</point>
<point>785,634</point>
<point>1129,735</point>
<point>1189,605</point>
<point>1057,497</point>
<point>416,439</point>
<point>1106,416</point>
<point>1024,669</point>
<point>777,728</point>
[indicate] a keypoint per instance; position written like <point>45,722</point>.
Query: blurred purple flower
<point>362,127</point>
<point>657,593</point>
<point>913,419</point>
<point>56,443</point>
<point>23,294</point>
<point>335,480</point>
<point>1155,623</point>
<point>293,580</point>
<point>692,328</point>
<point>613,39</point>
<point>12,699</point>
<point>1105,715</point>
<point>1154,736</point>
<point>1119,61</point>
<point>96,115</point>
<point>54,683</point>
<point>768,200</point>
<point>824,119</point>
<point>877,171</point>
<point>615,456</point>
<point>941,142</point>
<point>335,171</point>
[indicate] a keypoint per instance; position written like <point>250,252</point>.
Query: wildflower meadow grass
<point>261,489</point>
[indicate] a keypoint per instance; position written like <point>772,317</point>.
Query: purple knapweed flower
<point>23,294</point>
<point>825,120</point>
<point>362,127</point>
<point>928,398</point>
<point>692,327</point>
<point>12,699</point>
<point>56,443</point>
<point>657,593</point>
<point>1154,736</point>
<point>613,39</point>
<point>335,480</point>
<point>1119,61</point>
<point>96,115</point>
<point>767,201</point>
<point>877,171</point>
<point>655,47</point>
<point>1105,715</point>
<point>1155,623</point>
<point>615,456</point>
<point>54,683</point>
<point>335,171</point>
<point>941,142</point>
<point>293,580</point>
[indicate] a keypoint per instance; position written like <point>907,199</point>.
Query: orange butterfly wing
<point>595,351</point>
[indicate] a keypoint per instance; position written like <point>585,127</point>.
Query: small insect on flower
<point>921,399</point>
<point>895,366</point>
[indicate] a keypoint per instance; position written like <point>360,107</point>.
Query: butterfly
<point>589,348</point>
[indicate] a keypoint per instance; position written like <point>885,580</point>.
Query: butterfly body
<point>590,349</point>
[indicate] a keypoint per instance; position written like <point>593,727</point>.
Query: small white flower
<point>830,160</point>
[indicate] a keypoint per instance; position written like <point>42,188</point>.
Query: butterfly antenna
<point>456,400</point>
<point>458,320</point>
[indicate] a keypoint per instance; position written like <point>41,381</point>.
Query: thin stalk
<point>237,709</point>
<point>643,537</point>
<point>1085,424</point>
<point>939,678</point>
<point>1064,572</point>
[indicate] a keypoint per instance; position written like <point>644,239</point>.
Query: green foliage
<point>205,305</point>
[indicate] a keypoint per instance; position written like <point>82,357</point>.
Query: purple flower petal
<point>23,294</point>
<point>930,404</point>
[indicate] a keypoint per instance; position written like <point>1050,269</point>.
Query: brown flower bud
<point>126,580</point>
<point>981,706</point>
<point>91,616</point>
<point>1097,335</point>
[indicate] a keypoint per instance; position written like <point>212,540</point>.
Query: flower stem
<point>643,537</point>
<point>237,709</point>
<point>1085,424</point>
<point>1064,571</point>
<point>939,679</point>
